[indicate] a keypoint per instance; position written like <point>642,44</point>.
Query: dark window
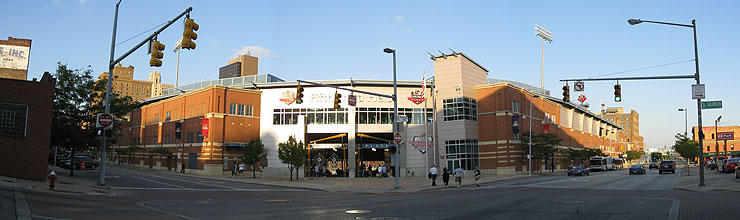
<point>13,119</point>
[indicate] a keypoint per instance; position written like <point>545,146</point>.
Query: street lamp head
<point>389,50</point>
<point>681,109</point>
<point>634,21</point>
<point>720,117</point>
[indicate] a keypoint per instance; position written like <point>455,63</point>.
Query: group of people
<point>240,168</point>
<point>379,171</point>
<point>458,172</point>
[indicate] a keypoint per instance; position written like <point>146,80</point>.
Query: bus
<point>601,163</point>
<point>618,163</point>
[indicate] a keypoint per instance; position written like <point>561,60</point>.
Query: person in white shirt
<point>433,174</point>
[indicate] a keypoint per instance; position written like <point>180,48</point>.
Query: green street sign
<point>711,104</point>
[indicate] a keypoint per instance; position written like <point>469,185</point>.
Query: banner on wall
<point>515,125</point>
<point>204,129</point>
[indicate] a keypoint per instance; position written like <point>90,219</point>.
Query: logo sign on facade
<point>515,125</point>
<point>697,91</point>
<point>352,100</point>
<point>417,96</point>
<point>105,120</point>
<point>581,98</point>
<point>319,159</point>
<point>578,87</point>
<point>288,97</point>
<point>204,129</point>
<point>711,104</point>
<point>422,142</point>
<point>726,135</point>
<point>397,138</point>
<point>178,130</point>
<point>14,57</point>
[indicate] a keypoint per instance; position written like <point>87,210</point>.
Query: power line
<point>643,68</point>
<point>140,34</point>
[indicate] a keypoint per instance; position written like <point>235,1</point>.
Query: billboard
<point>14,57</point>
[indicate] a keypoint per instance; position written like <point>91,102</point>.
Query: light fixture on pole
<point>716,142</point>
<point>685,121</point>
<point>397,162</point>
<point>546,36</point>
<point>698,82</point>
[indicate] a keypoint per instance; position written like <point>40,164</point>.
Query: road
<point>602,195</point>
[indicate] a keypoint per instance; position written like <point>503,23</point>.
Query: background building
<point>630,123</point>
<point>14,57</point>
<point>25,126</point>
<point>721,137</point>
<point>244,65</point>
<point>157,86</point>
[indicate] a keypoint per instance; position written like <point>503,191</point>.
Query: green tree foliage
<point>686,147</point>
<point>77,100</point>
<point>656,156</point>
<point>634,155</point>
<point>543,145</point>
<point>292,153</point>
<point>253,152</point>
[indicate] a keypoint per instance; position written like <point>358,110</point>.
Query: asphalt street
<point>602,195</point>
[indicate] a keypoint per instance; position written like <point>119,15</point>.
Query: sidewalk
<point>351,185</point>
<point>713,181</point>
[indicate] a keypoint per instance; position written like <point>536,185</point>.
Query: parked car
<point>637,169</point>
<point>90,163</point>
<point>667,166</point>
<point>578,171</point>
<point>653,165</point>
<point>731,164</point>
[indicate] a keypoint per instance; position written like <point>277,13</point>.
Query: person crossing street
<point>433,174</point>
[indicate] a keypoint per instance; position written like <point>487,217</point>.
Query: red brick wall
<point>27,157</point>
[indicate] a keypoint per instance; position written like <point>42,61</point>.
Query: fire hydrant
<point>52,179</point>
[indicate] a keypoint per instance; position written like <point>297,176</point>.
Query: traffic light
<point>617,93</point>
<point>566,93</point>
<point>299,95</point>
<point>337,100</point>
<point>157,54</point>
<point>188,35</point>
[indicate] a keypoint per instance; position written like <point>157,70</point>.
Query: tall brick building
<point>25,126</point>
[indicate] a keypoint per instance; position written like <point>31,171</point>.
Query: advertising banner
<point>726,135</point>
<point>515,125</point>
<point>14,57</point>
<point>178,130</point>
<point>204,129</point>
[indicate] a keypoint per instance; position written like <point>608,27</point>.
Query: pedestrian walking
<point>233,169</point>
<point>381,171</point>
<point>445,176</point>
<point>241,169</point>
<point>433,174</point>
<point>316,170</point>
<point>182,168</point>
<point>477,176</point>
<point>458,172</point>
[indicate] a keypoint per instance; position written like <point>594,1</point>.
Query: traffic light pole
<point>111,64</point>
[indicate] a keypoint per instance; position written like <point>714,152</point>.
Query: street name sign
<point>711,104</point>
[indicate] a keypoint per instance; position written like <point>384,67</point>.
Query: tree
<point>686,147</point>
<point>292,153</point>
<point>253,152</point>
<point>656,156</point>
<point>634,155</point>
<point>543,145</point>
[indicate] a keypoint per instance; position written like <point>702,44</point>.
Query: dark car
<point>578,171</point>
<point>667,166</point>
<point>653,165</point>
<point>637,169</point>
<point>89,163</point>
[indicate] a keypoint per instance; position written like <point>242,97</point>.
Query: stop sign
<point>397,138</point>
<point>105,120</point>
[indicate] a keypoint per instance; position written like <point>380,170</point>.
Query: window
<point>166,139</point>
<point>156,117</point>
<point>168,117</point>
<point>154,138</point>
<point>250,110</point>
<point>232,108</point>
<point>707,148</point>
<point>190,138</point>
<point>515,106</point>
<point>199,138</point>
<point>463,151</point>
<point>460,109</point>
<point>241,109</point>
<point>13,119</point>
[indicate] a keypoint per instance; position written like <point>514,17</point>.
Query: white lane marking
<point>163,183</point>
<point>212,190</point>
<point>143,204</point>
<point>167,178</point>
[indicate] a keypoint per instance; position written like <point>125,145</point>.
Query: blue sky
<point>316,40</point>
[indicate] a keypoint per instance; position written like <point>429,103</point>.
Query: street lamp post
<point>716,142</point>
<point>529,157</point>
<point>698,82</point>
<point>685,121</point>
<point>397,161</point>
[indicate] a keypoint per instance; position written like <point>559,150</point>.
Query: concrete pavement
<point>713,181</point>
